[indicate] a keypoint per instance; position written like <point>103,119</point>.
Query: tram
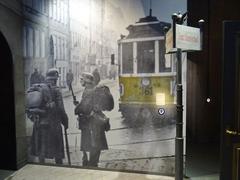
<point>146,74</point>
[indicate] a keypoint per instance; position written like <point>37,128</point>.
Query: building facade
<point>46,37</point>
<point>79,49</point>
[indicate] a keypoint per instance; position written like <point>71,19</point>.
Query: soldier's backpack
<point>37,97</point>
<point>104,98</point>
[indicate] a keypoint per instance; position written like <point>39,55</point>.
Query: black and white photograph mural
<point>100,88</point>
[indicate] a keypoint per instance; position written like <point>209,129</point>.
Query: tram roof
<point>148,26</point>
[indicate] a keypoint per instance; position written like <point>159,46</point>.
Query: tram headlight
<point>160,99</point>
<point>145,81</point>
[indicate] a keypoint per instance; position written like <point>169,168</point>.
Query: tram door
<point>7,117</point>
<point>230,131</point>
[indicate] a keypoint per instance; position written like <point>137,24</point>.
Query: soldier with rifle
<point>90,119</point>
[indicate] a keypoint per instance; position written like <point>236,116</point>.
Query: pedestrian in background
<point>35,77</point>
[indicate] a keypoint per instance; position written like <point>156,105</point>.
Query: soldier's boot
<point>85,159</point>
<point>94,158</point>
<point>58,161</point>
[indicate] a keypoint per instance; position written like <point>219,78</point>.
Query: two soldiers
<point>47,137</point>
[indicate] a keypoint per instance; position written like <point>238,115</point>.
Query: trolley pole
<point>179,122</point>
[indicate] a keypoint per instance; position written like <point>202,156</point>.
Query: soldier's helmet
<point>52,74</point>
<point>87,77</point>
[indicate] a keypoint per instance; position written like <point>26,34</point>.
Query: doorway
<point>230,131</point>
<point>7,120</point>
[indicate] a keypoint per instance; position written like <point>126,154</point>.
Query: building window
<point>65,12</point>
<point>57,48</point>
<point>60,47</point>
<point>43,45</point>
<point>36,5</point>
<point>29,42</point>
<point>64,49</point>
<point>36,44</point>
<point>51,8</point>
<point>44,6</point>
<point>25,41</point>
<point>54,9</point>
<point>54,47</point>
<point>62,12</point>
<point>58,10</point>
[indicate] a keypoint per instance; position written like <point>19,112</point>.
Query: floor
<point>39,172</point>
<point>202,164</point>
<point>202,161</point>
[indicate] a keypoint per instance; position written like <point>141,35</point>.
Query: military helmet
<point>52,74</point>
<point>87,77</point>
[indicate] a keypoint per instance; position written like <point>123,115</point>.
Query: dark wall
<point>204,69</point>
<point>7,121</point>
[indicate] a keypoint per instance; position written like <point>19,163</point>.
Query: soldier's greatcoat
<point>47,138</point>
<point>93,134</point>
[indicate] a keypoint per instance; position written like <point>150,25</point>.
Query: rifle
<point>67,146</point>
<point>74,97</point>
<point>36,128</point>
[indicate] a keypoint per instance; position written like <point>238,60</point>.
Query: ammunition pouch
<point>82,121</point>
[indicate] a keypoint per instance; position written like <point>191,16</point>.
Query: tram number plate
<point>147,91</point>
<point>161,111</point>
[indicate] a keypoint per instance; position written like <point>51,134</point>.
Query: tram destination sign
<point>187,39</point>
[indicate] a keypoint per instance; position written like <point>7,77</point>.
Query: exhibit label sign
<point>187,38</point>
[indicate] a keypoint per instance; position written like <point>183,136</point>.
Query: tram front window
<point>145,57</point>
<point>127,58</point>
